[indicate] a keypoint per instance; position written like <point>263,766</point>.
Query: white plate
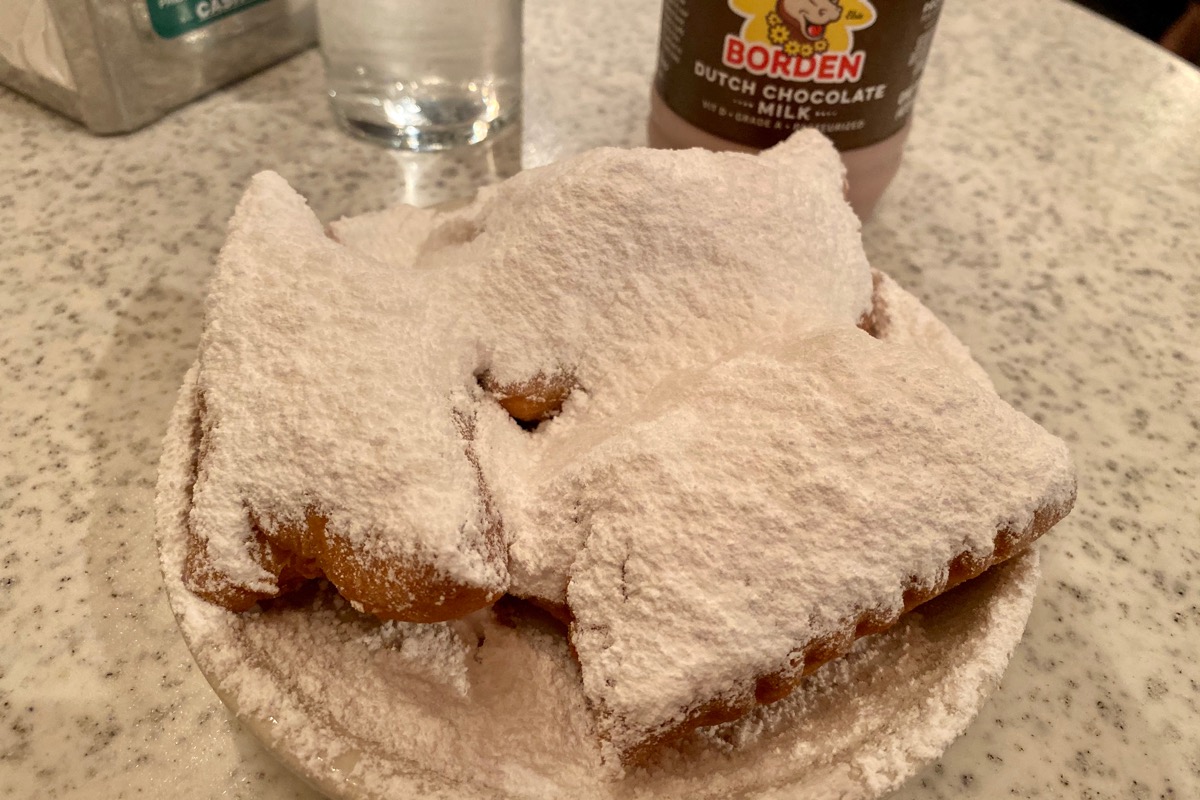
<point>479,709</point>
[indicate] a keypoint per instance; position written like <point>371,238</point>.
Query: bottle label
<point>171,18</point>
<point>754,71</point>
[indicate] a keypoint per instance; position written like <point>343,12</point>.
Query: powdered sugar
<point>900,318</point>
<point>327,690</point>
<point>619,268</point>
<point>739,472</point>
<point>624,265</point>
<point>296,416</point>
<point>775,499</point>
<point>616,268</point>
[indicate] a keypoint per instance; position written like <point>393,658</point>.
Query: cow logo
<point>799,39</point>
<point>798,26</point>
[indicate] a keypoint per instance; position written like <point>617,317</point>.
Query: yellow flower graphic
<point>760,18</point>
<point>756,26</point>
<point>779,34</point>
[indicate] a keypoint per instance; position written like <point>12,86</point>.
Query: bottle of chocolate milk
<point>744,74</point>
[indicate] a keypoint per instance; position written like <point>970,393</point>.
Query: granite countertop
<point>1048,210</point>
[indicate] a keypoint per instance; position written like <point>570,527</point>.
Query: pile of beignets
<point>660,395</point>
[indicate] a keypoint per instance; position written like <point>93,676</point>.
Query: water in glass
<point>423,74</point>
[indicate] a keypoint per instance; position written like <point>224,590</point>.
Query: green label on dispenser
<point>171,18</point>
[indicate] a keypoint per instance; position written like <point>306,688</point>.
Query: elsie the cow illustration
<point>799,25</point>
<point>806,19</point>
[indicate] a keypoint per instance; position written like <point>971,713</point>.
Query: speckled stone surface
<point>1048,210</point>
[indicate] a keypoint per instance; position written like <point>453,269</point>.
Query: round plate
<point>492,707</point>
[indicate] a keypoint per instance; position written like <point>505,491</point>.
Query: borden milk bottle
<point>744,74</point>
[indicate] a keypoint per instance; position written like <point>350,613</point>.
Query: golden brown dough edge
<point>534,400</point>
<point>810,656</point>
<point>406,588</point>
<point>876,320</point>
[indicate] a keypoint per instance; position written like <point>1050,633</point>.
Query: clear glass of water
<point>422,74</point>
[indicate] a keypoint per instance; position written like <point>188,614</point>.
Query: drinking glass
<point>422,74</point>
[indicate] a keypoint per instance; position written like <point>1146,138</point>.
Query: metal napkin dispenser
<point>116,65</point>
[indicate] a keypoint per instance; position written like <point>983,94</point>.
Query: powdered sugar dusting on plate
<point>324,688</point>
<point>690,338</point>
